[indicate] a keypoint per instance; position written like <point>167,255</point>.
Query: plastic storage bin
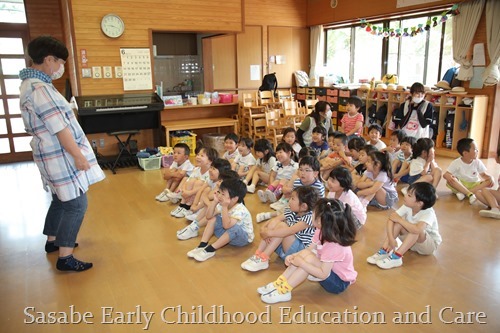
<point>190,140</point>
<point>150,163</point>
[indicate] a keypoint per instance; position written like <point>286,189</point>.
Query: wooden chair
<point>275,124</point>
<point>309,104</point>
<point>291,115</point>
<point>259,128</point>
<point>250,110</point>
<point>285,95</point>
<point>266,97</point>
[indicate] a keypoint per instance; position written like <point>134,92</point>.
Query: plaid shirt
<point>45,113</point>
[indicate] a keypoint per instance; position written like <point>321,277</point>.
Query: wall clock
<point>112,25</point>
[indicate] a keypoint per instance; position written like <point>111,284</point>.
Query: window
<point>12,11</point>
<point>356,54</point>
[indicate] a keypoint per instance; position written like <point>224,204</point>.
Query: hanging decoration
<point>411,31</point>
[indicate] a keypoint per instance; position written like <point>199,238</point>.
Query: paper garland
<point>408,32</point>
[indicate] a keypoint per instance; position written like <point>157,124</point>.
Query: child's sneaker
<point>261,217</point>
<point>251,188</point>
<point>460,196</point>
<point>266,289</point>
<point>180,213</point>
<point>162,197</point>
<point>203,255</point>
<point>391,261</point>
<point>192,216</point>
<point>187,233</point>
<point>276,297</point>
<point>188,212</point>
<point>262,196</point>
<point>270,196</point>
<point>174,196</point>
<point>472,199</point>
<point>255,264</point>
<point>494,214</point>
<point>176,211</point>
<point>404,190</point>
<point>280,205</point>
<point>381,254</point>
<point>192,253</point>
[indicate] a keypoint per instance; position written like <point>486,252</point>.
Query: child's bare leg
<point>262,176</point>
<point>396,231</point>
<point>436,176</point>
<point>410,240</point>
<point>173,185</point>
<point>209,230</point>
<point>453,182</point>
<point>250,175</point>
<point>298,275</point>
<point>380,196</point>
<point>486,197</point>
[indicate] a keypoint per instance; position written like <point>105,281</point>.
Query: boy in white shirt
<point>231,147</point>
<point>228,219</point>
<point>466,176</point>
<point>245,160</point>
<point>180,168</point>
<point>375,133</point>
<point>414,223</point>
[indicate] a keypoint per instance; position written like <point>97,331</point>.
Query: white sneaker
<point>494,214</point>
<point>460,196</point>
<point>187,212</point>
<point>262,196</point>
<point>472,199</point>
<point>203,255</point>
<point>251,188</point>
<point>261,217</point>
<point>255,264</point>
<point>191,253</point>
<point>376,257</point>
<point>389,262</point>
<point>280,205</point>
<point>162,197</point>
<point>187,233</point>
<point>404,190</point>
<point>271,196</point>
<point>266,289</point>
<point>192,216</point>
<point>176,210</point>
<point>180,213</point>
<point>275,297</point>
<point>174,195</point>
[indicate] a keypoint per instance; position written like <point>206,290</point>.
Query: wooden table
<point>190,124</point>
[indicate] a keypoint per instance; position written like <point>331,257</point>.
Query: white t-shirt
<point>417,166</point>
<point>285,172</point>
<point>425,215</point>
<point>231,156</point>
<point>379,145</point>
<point>245,161</point>
<point>243,218</point>
<point>186,166</point>
<point>267,166</point>
<point>467,172</point>
<point>196,174</point>
<point>296,148</point>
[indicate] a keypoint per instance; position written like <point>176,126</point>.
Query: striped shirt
<point>318,185</point>
<point>45,113</point>
<point>349,122</point>
<point>291,218</point>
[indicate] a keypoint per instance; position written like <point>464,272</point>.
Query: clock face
<point>112,26</point>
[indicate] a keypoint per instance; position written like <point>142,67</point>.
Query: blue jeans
<point>237,236</point>
<point>64,219</point>
<point>296,246</point>
<point>333,284</point>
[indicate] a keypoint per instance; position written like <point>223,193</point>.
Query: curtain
<point>316,51</point>
<point>491,73</point>
<point>464,28</point>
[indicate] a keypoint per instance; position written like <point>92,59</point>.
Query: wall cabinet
<point>456,116</point>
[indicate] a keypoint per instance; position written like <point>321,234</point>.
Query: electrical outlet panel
<point>86,72</point>
<point>108,72</point>
<point>101,143</point>
<point>97,72</point>
<point>118,72</point>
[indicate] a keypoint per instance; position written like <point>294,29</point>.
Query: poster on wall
<point>406,3</point>
<point>136,68</point>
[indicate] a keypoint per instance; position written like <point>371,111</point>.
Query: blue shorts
<point>412,179</point>
<point>333,284</point>
<point>296,246</point>
<point>390,200</point>
<point>237,236</point>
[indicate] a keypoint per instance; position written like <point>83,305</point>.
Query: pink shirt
<point>350,122</point>
<point>340,255</point>
<point>352,199</point>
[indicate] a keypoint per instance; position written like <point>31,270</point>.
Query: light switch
<point>86,72</point>
<point>108,72</point>
<point>118,72</point>
<point>97,72</point>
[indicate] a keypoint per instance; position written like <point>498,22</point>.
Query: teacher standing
<point>61,151</point>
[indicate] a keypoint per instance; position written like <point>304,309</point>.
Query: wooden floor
<point>139,265</point>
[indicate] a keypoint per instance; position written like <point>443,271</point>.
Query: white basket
<point>150,163</point>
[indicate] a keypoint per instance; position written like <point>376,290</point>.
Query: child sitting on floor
<point>245,161</point>
<point>265,163</point>
<point>180,168</point>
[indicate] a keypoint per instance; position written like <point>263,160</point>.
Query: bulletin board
<point>136,69</point>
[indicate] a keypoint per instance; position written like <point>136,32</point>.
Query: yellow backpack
<point>390,78</point>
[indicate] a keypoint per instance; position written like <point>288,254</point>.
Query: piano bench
<point>124,146</point>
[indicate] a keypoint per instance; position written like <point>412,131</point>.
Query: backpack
<point>269,82</point>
